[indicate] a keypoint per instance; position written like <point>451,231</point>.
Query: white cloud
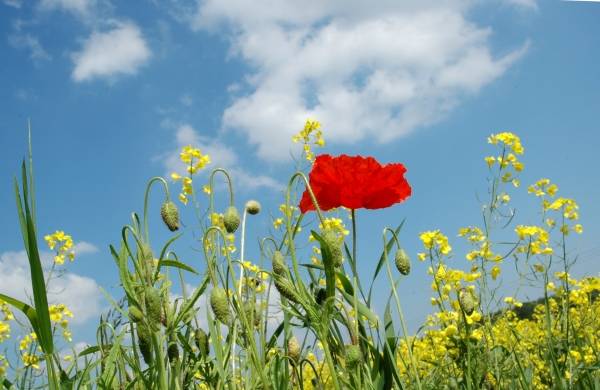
<point>81,294</point>
<point>13,3</point>
<point>363,71</point>
<point>80,8</point>
<point>121,50</point>
<point>221,156</point>
<point>84,247</point>
<point>532,4</point>
<point>31,43</point>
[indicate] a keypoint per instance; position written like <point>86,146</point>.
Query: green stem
<point>146,196</point>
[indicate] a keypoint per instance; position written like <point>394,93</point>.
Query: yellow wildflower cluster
<point>311,134</point>
<point>195,161</point>
<point>484,247</point>
<point>511,147</point>
<point>522,335</point>
<point>31,360</point>
<point>63,244</point>
<point>255,279</point>
<point>287,211</point>
<point>26,341</point>
<point>434,241</point>
<point>60,314</point>
<point>536,240</point>
<point>7,315</point>
<point>216,219</point>
<point>3,366</point>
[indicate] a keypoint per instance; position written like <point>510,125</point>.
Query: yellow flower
<point>63,243</point>
<point>495,272</point>
<point>435,238</point>
<point>312,129</point>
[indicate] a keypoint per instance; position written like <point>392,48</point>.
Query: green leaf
<point>176,264</point>
<point>38,283</point>
<point>24,308</point>
<point>388,248</point>
<point>362,308</point>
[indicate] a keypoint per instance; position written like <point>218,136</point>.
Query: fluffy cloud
<point>80,8</point>
<point>221,156</point>
<point>30,43</point>
<point>81,294</point>
<point>363,71</point>
<point>121,50</point>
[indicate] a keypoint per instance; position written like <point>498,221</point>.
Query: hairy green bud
<point>154,308</point>
<point>334,245</point>
<point>135,314</point>
<point>145,343</point>
<point>353,355</point>
<point>294,350</point>
<point>231,219</point>
<point>402,262</point>
<point>320,295</point>
<point>170,215</point>
<point>173,351</point>
<point>252,207</point>
<point>220,305</point>
<point>201,339</point>
<point>279,267</point>
<point>466,301</point>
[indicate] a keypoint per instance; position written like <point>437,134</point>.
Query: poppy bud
<point>353,355</point>
<point>285,288</point>
<point>145,343</point>
<point>279,267</point>
<point>466,301</point>
<point>320,295</point>
<point>294,350</point>
<point>201,339</point>
<point>173,351</point>
<point>153,305</point>
<point>231,219</point>
<point>335,248</point>
<point>220,305</point>
<point>170,215</point>
<point>252,207</point>
<point>135,314</point>
<point>252,313</point>
<point>402,262</point>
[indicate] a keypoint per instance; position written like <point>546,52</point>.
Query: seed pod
<point>252,312</point>
<point>135,314</point>
<point>220,305</point>
<point>153,305</point>
<point>173,351</point>
<point>231,219</point>
<point>145,343</point>
<point>466,301</point>
<point>285,288</point>
<point>335,248</point>
<point>279,267</point>
<point>201,339</point>
<point>294,350</point>
<point>402,262</point>
<point>170,215</point>
<point>353,355</point>
<point>320,295</point>
<point>252,207</point>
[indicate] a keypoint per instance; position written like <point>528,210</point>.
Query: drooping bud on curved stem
<point>146,196</point>
<point>402,262</point>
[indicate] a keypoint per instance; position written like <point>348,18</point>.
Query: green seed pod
<point>279,267</point>
<point>294,350</point>
<point>320,295</point>
<point>145,343</point>
<point>402,262</point>
<point>170,215</point>
<point>135,314</point>
<point>335,248</point>
<point>173,351</point>
<point>201,339</point>
<point>285,288</point>
<point>153,306</point>
<point>466,301</point>
<point>252,312</point>
<point>231,219</point>
<point>220,305</point>
<point>252,207</point>
<point>353,355</point>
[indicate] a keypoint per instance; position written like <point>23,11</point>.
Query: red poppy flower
<point>355,182</point>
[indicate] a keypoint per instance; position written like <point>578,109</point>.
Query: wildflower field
<point>330,334</point>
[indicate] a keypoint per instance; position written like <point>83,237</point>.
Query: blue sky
<point>114,90</point>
